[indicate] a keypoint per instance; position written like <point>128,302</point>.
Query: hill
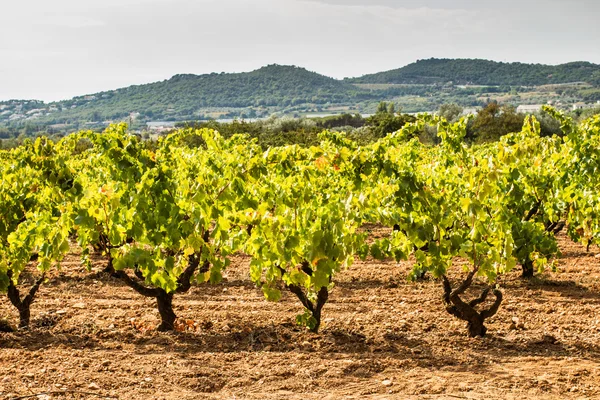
<point>183,96</point>
<point>484,72</point>
<point>292,90</point>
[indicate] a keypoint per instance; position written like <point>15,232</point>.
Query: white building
<point>470,110</point>
<point>529,108</point>
<point>160,126</point>
<point>583,106</point>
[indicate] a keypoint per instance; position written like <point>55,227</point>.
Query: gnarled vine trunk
<point>164,300</point>
<point>467,311</point>
<point>527,269</point>
<point>23,305</point>
<point>315,308</point>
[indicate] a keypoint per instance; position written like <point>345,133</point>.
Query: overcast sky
<point>57,49</point>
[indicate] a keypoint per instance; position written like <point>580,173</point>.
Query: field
<point>383,338</point>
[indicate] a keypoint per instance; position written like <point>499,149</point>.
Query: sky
<point>54,50</point>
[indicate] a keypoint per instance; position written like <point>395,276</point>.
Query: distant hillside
<point>483,72</point>
<point>293,90</point>
<point>183,95</point>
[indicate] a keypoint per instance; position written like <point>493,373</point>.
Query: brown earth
<point>383,338</point>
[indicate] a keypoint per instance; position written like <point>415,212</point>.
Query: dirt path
<point>383,338</point>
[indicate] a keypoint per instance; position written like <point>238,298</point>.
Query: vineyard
<point>393,268</point>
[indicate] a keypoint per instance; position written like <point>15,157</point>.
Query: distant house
<point>160,126</point>
<point>529,108</point>
<point>470,110</point>
<point>583,106</point>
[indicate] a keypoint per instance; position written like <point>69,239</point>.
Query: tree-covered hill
<point>484,72</point>
<point>295,90</point>
<point>183,95</point>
